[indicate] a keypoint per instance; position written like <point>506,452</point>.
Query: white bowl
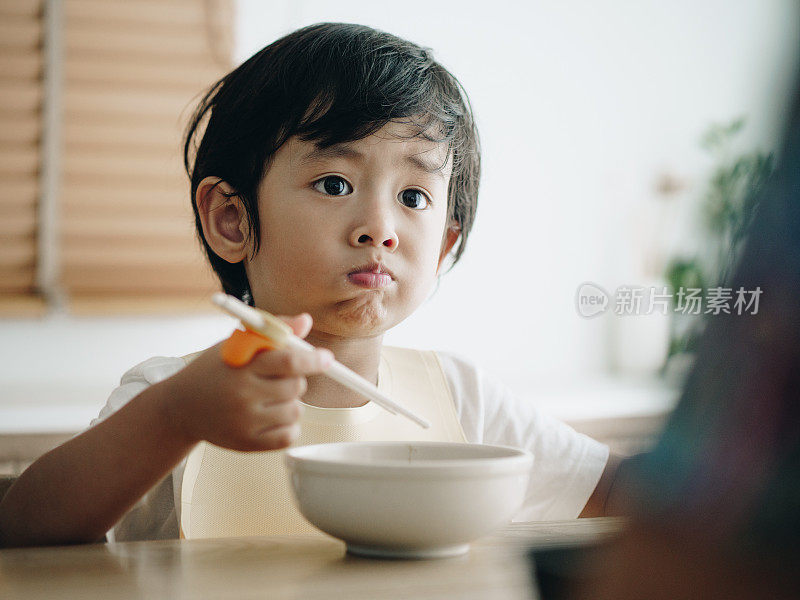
<point>408,499</point>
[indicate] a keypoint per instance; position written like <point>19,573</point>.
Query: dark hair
<point>329,83</point>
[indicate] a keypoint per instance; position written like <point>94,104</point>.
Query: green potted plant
<point>728,203</point>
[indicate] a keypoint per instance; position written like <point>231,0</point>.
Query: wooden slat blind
<point>132,73</point>
<point>20,128</point>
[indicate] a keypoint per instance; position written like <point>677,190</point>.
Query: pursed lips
<point>371,276</point>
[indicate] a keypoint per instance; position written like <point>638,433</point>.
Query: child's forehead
<point>392,139</point>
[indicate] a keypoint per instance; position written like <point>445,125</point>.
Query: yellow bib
<point>226,493</point>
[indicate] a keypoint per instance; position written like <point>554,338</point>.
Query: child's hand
<point>254,407</point>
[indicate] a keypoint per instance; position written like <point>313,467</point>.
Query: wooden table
<point>303,567</point>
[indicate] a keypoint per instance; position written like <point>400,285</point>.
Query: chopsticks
<point>281,335</point>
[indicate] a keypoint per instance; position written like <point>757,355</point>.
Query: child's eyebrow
<point>344,150</point>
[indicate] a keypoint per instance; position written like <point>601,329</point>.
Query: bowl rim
<point>518,461</point>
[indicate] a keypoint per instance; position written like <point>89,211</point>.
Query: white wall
<point>581,105</point>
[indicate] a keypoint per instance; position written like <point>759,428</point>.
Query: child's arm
<point>76,492</point>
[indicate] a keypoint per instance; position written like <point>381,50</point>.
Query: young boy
<point>336,170</point>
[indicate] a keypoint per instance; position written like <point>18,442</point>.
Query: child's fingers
<point>276,415</point>
<point>300,324</point>
<point>275,438</point>
<point>283,389</point>
<point>291,363</point>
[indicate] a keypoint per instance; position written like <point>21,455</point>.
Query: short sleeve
<point>136,380</point>
<point>567,465</point>
<point>154,515</point>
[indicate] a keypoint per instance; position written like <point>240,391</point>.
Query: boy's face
<point>352,234</point>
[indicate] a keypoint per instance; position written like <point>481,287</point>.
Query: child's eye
<point>413,199</point>
<point>333,185</point>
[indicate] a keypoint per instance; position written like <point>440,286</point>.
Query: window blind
<point>132,72</point>
<point>20,129</point>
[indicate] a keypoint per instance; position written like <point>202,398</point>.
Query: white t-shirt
<point>566,468</point>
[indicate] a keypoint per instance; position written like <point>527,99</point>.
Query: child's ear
<point>223,218</point>
<point>450,237</point>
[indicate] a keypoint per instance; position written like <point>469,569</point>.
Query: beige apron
<point>226,493</point>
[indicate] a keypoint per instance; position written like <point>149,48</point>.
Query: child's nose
<point>376,235</point>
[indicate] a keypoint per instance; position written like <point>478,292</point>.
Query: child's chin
<point>362,316</point>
